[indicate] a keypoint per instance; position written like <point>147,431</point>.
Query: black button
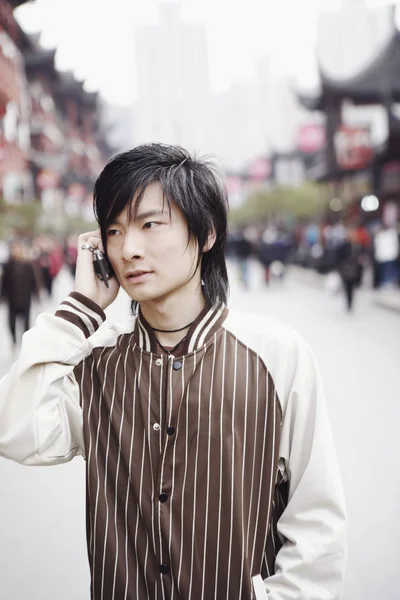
<point>163,497</point>
<point>170,430</point>
<point>164,568</point>
<point>177,365</point>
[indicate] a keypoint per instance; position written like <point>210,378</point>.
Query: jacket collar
<point>201,330</point>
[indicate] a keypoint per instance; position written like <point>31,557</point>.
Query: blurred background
<point>298,103</point>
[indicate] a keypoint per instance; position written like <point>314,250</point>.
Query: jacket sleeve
<point>310,564</point>
<point>40,413</point>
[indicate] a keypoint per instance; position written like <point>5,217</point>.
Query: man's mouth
<point>137,276</point>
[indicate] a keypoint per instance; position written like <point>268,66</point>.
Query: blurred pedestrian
<point>4,252</point>
<point>349,266</point>
<point>4,256</point>
<point>244,250</point>
<point>71,253</point>
<point>43,246</point>
<point>265,250</point>
<point>50,261</point>
<point>273,252</point>
<point>386,255</point>
<point>334,236</point>
<point>20,282</point>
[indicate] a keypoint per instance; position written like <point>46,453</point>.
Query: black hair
<point>192,183</point>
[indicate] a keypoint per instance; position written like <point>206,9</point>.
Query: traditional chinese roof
<point>390,149</point>
<point>71,87</point>
<point>380,78</point>
<point>39,57</point>
<point>68,83</point>
<point>311,101</point>
<point>90,99</point>
<point>379,82</point>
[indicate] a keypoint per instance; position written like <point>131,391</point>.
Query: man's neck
<point>171,313</point>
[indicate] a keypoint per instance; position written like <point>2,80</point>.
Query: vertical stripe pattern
<point>183,487</point>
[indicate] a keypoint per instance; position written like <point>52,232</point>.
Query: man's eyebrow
<point>140,216</point>
<point>150,213</point>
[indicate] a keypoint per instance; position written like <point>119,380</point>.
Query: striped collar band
<point>206,324</point>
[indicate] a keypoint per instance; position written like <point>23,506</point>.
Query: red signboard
<point>47,179</point>
<point>76,190</point>
<point>233,184</point>
<point>260,169</point>
<point>353,147</point>
<point>311,138</point>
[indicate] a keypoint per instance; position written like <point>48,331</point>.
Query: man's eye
<point>150,225</point>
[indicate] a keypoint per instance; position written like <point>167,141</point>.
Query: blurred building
<point>281,115</point>
<point>362,151</point>
<point>349,39</point>
<point>257,116</point>
<point>48,151</point>
<point>80,114</point>
<point>65,157</point>
<point>234,129</point>
<point>15,176</point>
<point>173,81</point>
<point>288,169</point>
<point>118,124</point>
<point>52,140</point>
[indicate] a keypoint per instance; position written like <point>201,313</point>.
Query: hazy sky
<point>97,43</point>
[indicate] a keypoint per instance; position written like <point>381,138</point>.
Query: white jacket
<point>41,423</point>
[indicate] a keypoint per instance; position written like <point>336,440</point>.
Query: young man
<point>211,472</point>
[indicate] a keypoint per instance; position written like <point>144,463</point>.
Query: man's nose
<point>132,247</point>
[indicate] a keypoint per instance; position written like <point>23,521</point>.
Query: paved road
<point>42,550</point>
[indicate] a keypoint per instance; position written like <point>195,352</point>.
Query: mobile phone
<point>101,266</point>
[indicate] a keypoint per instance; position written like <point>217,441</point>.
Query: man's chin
<point>151,293</point>
<point>142,295</point>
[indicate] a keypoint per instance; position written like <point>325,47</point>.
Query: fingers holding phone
<point>102,267</point>
<point>92,279</point>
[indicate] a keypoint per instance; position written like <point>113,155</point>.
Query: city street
<point>42,510</point>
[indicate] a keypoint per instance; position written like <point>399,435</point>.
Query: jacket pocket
<point>260,593</point>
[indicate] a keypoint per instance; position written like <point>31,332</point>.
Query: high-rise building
<point>280,114</point>
<point>255,118</point>
<point>235,134</point>
<point>172,81</point>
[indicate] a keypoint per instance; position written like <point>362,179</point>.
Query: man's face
<point>150,255</point>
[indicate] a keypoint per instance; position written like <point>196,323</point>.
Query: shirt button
<point>163,497</point>
<point>164,568</point>
<point>177,365</point>
<point>159,362</point>
<point>170,430</point>
<point>156,427</point>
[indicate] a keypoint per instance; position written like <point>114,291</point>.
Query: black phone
<point>101,266</point>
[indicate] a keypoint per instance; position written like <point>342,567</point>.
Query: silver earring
<point>202,282</point>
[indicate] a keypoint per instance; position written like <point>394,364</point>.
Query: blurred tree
<point>31,220</point>
<point>19,218</point>
<point>288,202</point>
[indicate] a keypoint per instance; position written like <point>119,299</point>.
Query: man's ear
<point>210,241</point>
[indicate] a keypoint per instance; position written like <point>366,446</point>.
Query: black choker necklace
<point>171,350</point>
<point>173,330</point>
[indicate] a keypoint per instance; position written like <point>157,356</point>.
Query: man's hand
<point>86,282</point>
